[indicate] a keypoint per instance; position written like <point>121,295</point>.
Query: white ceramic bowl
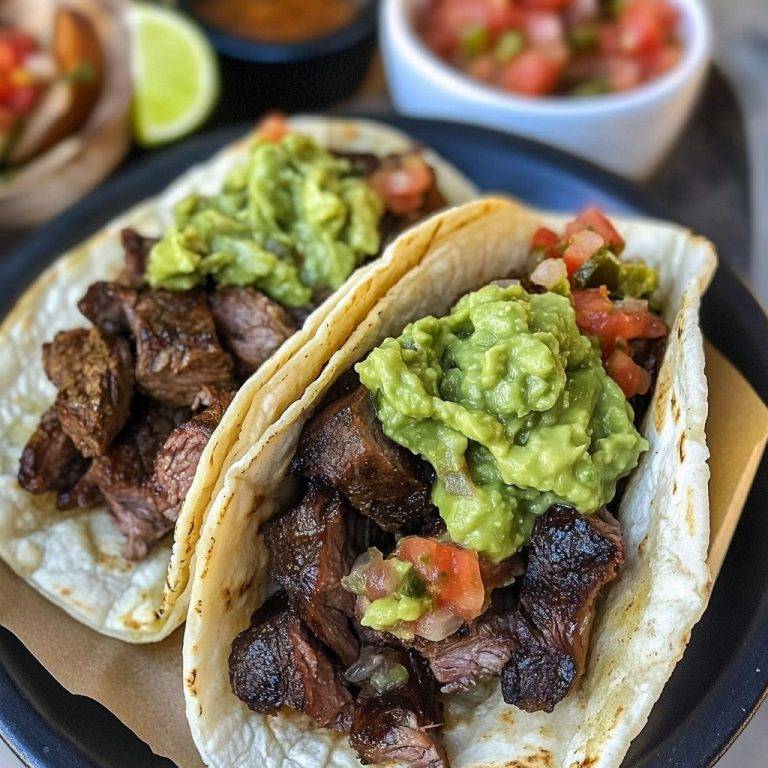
<point>628,133</point>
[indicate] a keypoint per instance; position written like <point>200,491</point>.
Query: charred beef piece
<point>478,650</point>
<point>345,447</point>
<point>104,304</point>
<point>124,475</point>
<point>571,557</point>
<point>93,373</point>
<point>400,724</point>
<point>277,662</point>
<point>251,326</point>
<point>313,545</point>
<point>177,350</point>
<point>648,354</point>
<point>137,250</point>
<point>176,462</point>
<point>85,493</point>
<point>50,461</point>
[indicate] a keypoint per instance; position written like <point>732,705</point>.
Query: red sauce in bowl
<point>278,21</point>
<point>554,47</point>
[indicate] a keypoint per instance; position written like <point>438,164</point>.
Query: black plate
<point>724,673</point>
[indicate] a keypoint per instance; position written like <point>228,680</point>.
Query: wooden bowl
<point>47,184</point>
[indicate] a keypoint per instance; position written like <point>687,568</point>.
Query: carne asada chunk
<point>104,304</point>
<point>176,462</point>
<point>277,662</point>
<point>478,650</point>
<point>313,545</point>
<point>137,250</point>
<point>345,446</point>
<point>398,718</point>
<point>124,476</point>
<point>571,557</point>
<point>50,461</point>
<point>93,373</point>
<point>84,494</point>
<point>177,350</point>
<point>250,324</point>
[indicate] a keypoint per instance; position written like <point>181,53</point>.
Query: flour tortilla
<point>642,626</point>
<point>74,558</point>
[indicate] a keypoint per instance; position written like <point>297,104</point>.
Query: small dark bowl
<point>303,76</point>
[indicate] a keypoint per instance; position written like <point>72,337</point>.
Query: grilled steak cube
<point>176,462</point>
<point>137,250</point>
<point>313,546</point>
<point>276,662</point>
<point>85,493</point>
<point>50,461</point>
<point>104,304</point>
<point>571,557</point>
<point>251,326</point>
<point>94,376</point>
<point>478,650</point>
<point>345,447</point>
<point>124,476</point>
<point>177,350</point>
<point>400,724</point>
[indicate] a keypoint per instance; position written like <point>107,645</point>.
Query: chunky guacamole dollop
<point>510,404</point>
<point>292,221</point>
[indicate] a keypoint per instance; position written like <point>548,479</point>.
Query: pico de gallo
<point>555,47</point>
<point>610,295</point>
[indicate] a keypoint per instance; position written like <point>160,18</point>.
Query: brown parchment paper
<point>141,684</point>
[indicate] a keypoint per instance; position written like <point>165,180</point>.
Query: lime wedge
<point>175,73</point>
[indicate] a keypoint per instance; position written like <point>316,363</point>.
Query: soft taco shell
<point>74,558</point>
<point>644,623</point>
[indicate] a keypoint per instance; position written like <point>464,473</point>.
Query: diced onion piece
<point>632,305</point>
<point>459,483</point>
<point>438,624</point>
<point>381,580</point>
<point>367,663</point>
<point>549,273</point>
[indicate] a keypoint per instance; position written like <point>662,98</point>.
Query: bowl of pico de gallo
<point>612,81</point>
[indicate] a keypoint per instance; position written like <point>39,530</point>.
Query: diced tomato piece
<point>646,25</point>
<point>452,574</point>
<point>403,184</point>
<point>15,46</point>
<point>581,247</point>
<point>546,5</point>
<point>273,127</point>
<point>596,314</point>
<point>609,38</point>
<point>623,72</point>
<point>632,378</point>
<point>7,121</point>
<point>23,98</point>
<point>593,218</point>
<point>547,240</point>
<point>534,72</point>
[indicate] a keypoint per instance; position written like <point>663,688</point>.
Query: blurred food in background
<point>281,21</point>
<point>65,94</point>
<point>47,89</point>
<point>554,47</point>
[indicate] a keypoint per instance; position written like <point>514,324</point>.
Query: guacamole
<point>293,220</point>
<point>511,406</point>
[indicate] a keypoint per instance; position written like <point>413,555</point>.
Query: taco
<point>479,537</point>
<point>115,437</point>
